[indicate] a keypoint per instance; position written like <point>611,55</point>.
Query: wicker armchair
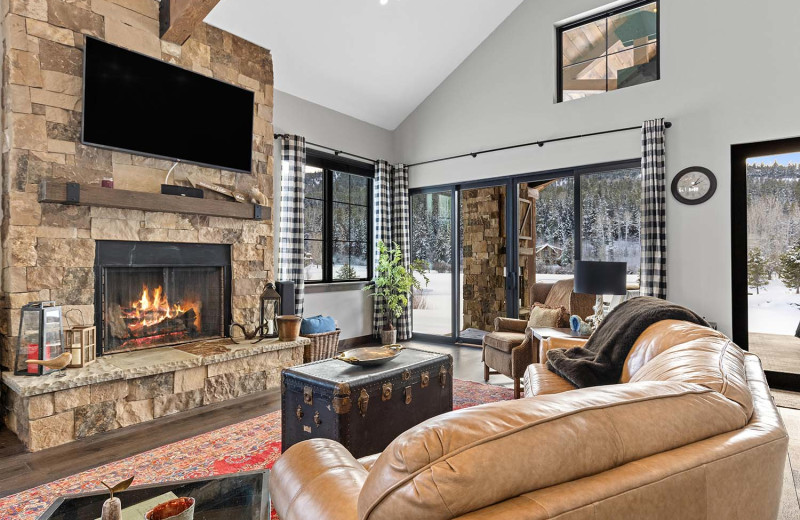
<point>511,347</point>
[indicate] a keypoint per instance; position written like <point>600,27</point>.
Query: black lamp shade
<point>600,277</point>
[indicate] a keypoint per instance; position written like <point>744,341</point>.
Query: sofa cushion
<point>504,341</point>
<point>560,294</point>
<point>540,381</point>
<point>713,362</point>
<point>424,473</point>
<point>659,337</point>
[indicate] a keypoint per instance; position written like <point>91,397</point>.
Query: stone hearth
<point>126,389</point>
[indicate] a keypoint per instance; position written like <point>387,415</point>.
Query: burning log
<point>183,322</point>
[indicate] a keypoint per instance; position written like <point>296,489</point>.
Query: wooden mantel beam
<point>180,17</point>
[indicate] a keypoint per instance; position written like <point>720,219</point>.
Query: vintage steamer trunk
<point>364,408</point>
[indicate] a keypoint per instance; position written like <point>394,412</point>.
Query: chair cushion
<point>544,316</point>
<point>504,341</point>
<point>540,381</point>
<point>560,294</point>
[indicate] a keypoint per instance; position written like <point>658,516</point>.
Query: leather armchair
<point>690,432</point>
<point>512,347</point>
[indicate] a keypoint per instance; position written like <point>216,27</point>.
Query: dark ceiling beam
<point>178,18</point>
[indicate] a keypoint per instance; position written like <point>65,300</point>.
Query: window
<point>338,220</point>
<point>614,50</point>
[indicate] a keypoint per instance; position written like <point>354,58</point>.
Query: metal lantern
<point>40,337</point>
<point>80,340</point>
<point>270,310</point>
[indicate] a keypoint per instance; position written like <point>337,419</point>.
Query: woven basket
<point>323,346</point>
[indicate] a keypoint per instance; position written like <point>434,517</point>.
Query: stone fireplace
<point>155,294</point>
<point>58,251</point>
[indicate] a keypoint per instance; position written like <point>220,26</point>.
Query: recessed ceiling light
<point>384,2</point>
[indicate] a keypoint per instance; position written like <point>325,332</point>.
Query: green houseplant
<point>394,282</point>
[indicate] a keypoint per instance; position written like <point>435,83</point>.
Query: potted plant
<point>394,283</point>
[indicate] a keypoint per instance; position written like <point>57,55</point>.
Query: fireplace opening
<point>157,294</point>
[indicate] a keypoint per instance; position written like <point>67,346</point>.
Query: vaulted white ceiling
<point>374,62</point>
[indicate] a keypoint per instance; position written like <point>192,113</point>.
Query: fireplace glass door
<point>145,307</point>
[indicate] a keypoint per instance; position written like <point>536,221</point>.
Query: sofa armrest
<point>317,479</point>
<point>509,325</point>
<point>551,343</point>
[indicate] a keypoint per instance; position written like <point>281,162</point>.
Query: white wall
<point>350,307</point>
<point>730,74</point>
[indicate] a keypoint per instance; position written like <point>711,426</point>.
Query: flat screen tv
<point>139,104</point>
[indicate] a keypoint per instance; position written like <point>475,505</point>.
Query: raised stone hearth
<point>126,389</point>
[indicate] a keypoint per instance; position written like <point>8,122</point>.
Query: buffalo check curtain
<point>654,223</point>
<point>291,251</point>
<point>391,227</point>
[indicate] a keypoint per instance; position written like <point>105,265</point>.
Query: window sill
<point>325,287</point>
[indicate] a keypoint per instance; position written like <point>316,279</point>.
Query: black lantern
<point>40,337</point>
<point>270,310</point>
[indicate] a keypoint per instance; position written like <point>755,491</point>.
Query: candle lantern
<point>80,340</point>
<point>270,309</point>
<point>40,337</point>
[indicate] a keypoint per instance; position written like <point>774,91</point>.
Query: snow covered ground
<point>775,310</point>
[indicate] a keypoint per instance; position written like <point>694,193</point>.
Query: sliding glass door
<point>486,276</point>
<point>433,241</point>
<point>766,255</point>
<point>545,234</point>
<point>513,232</point>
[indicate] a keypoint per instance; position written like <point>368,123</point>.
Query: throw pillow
<point>317,325</point>
<point>544,316</point>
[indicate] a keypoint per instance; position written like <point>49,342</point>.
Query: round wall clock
<point>694,185</point>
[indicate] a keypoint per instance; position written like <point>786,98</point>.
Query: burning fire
<point>151,309</point>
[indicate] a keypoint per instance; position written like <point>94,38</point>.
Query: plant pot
<point>289,327</point>
<point>389,337</point>
<point>176,509</point>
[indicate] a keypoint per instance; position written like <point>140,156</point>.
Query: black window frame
<point>593,18</point>
<point>330,163</point>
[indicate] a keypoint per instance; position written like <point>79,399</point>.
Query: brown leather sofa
<point>690,433</point>
<point>512,347</point>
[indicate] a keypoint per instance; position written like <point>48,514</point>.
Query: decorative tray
<point>370,356</point>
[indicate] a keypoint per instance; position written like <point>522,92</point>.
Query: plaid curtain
<point>383,232</point>
<point>291,251</point>
<point>654,222</point>
<point>401,236</point>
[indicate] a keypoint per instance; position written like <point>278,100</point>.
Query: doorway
<point>766,255</point>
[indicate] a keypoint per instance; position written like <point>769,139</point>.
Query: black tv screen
<point>143,105</point>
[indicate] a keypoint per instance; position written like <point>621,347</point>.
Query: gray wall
<point>730,75</point>
<point>347,304</point>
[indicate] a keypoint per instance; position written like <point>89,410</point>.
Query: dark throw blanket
<point>601,360</point>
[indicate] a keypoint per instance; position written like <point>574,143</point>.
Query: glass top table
<point>240,496</point>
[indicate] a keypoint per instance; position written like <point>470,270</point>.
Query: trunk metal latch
<point>363,402</point>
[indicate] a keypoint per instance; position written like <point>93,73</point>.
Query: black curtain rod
<point>667,124</point>
<point>334,150</point>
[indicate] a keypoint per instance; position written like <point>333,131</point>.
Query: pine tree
<point>789,268</point>
<point>757,272</point>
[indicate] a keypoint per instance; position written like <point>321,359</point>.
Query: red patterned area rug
<point>245,446</point>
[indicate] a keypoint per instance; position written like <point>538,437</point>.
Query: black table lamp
<point>600,278</point>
